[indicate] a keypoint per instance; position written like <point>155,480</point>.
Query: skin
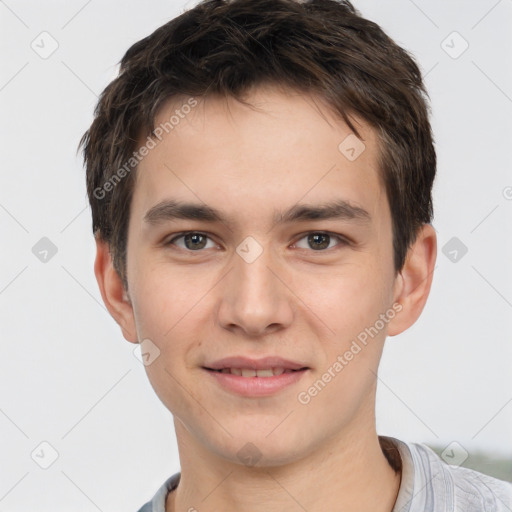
<point>294,301</point>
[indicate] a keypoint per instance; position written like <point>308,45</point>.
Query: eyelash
<point>342,241</point>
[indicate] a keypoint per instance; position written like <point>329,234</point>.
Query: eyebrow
<point>340,209</point>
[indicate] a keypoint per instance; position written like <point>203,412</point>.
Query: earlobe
<point>414,280</point>
<point>113,292</point>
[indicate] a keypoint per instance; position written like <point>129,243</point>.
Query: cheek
<point>163,299</point>
<point>349,298</point>
<point>169,314</point>
<point>351,304</point>
<point>174,310</point>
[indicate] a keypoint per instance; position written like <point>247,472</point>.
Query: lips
<point>246,367</point>
<point>249,372</point>
<point>256,378</point>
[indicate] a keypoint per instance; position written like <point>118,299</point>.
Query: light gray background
<point>68,378</point>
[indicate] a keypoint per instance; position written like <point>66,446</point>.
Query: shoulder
<point>461,489</point>
<point>157,503</point>
<point>482,491</point>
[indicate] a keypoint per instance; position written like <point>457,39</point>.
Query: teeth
<point>248,372</point>
<point>264,373</point>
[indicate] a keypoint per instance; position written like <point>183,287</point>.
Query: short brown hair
<point>225,47</point>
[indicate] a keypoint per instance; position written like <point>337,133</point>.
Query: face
<point>252,235</point>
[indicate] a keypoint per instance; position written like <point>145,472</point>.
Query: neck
<point>349,473</point>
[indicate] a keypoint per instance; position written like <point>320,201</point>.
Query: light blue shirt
<point>428,485</point>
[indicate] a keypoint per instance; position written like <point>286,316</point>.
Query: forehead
<point>282,147</point>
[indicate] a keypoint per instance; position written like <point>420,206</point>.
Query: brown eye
<point>193,241</point>
<point>319,241</point>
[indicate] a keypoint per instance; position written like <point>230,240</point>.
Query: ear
<point>413,282</point>
<point>112,290</point>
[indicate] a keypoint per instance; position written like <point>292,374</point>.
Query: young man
<point>260,177</point>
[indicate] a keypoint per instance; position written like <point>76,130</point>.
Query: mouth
<point>251,372</point>
<point>255,378</point>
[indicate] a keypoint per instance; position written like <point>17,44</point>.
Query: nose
<point>254,298</point>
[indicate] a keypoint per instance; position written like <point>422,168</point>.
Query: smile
<point>249,372</point>
<point>252,383</point>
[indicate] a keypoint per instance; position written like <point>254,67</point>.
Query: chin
<point>260,450</point>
